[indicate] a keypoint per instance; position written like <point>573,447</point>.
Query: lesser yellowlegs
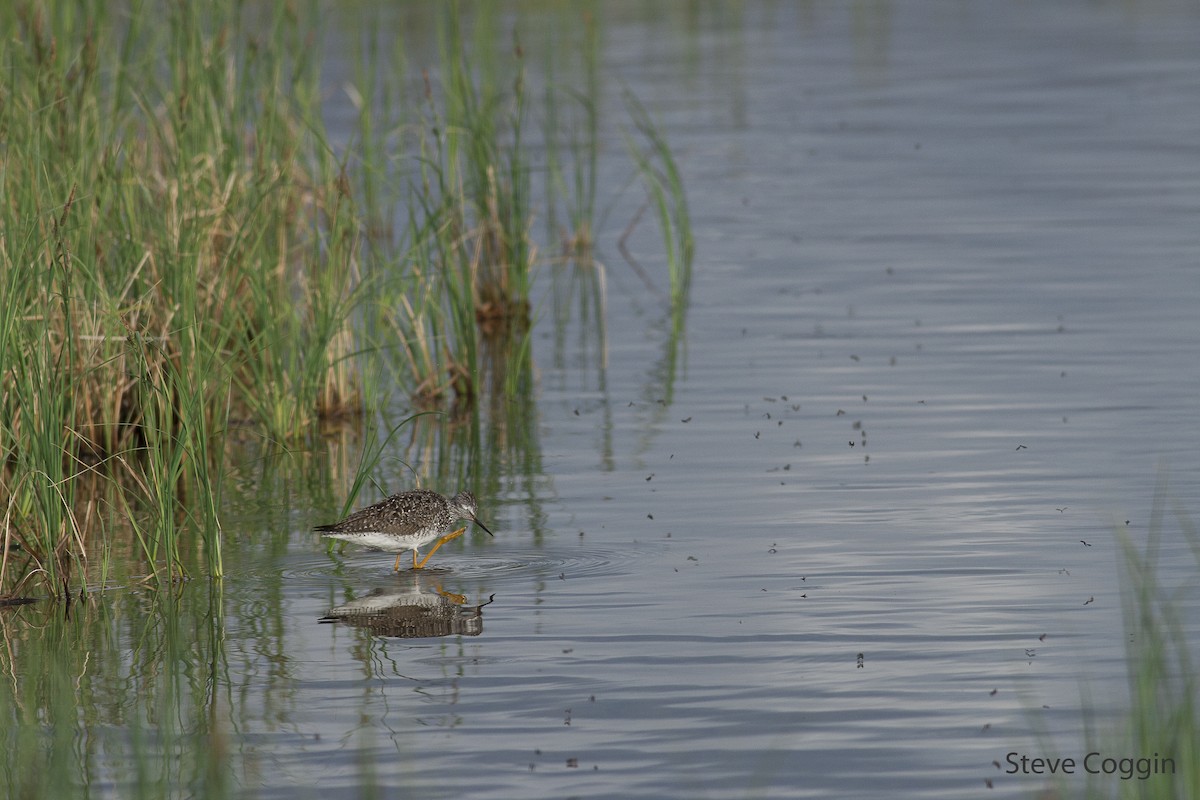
<point>407,521</point>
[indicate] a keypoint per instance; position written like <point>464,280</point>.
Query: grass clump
<point>177,256</point>
<point>664,188</point>
<point>467,255</point>
<point>186,258</point>
<point>1151,750</point>
<point>1164,718</point>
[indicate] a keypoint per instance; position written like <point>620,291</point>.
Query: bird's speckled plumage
<point>406,521</point>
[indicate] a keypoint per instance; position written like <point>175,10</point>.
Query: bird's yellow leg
<point>448,537</point>
<point>457,599</point>
<point>396,566</point>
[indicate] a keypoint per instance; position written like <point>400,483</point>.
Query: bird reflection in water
<point>411,613</point>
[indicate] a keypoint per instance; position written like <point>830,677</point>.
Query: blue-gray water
<point>943,328</point>
<point>942,342</point>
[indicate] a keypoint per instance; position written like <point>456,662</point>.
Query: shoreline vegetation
<point>187,259</point>
<point>1145,745</point>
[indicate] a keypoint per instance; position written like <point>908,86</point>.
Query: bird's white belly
<point>383,541</point>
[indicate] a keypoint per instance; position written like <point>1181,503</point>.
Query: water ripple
<point>499,563</point>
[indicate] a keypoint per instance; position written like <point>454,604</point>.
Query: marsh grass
<point>571,133</point>
<point>665,194</point>
<point>485,163</point>
<point>664,189</point>
<point>466,258</point>
<point>185,255</point>
<point>1164,688</point>
<point>1162,720</point>
<point>179,252</point>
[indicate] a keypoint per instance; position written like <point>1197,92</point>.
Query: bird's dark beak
<point>480,524</point>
